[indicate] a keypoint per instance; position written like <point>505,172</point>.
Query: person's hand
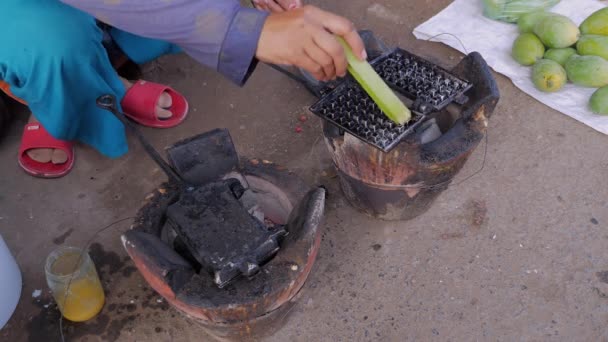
<point>277,5</point>
<point>305,38</point>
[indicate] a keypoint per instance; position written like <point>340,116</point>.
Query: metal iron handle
<point>108,102</point>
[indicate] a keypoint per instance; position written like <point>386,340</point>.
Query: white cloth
<point>493,40</point>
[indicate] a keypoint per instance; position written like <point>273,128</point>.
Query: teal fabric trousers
<point>52,57</point>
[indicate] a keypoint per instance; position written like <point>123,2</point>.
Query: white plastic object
<point>10,286</point>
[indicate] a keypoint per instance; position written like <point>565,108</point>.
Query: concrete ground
<point>518,252</point>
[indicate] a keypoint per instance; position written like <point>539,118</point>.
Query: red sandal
<point>140,103</point>
<point>35,136</point>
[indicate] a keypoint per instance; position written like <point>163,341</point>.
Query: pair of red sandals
<point>139,105</point>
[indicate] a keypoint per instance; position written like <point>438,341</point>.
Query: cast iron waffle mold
<point>220,233</point>
<point>430,87</point>
<point>351,109</point>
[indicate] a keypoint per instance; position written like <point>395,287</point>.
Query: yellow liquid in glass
<point>85,296</point>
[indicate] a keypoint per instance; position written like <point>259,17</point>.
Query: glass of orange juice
<point>75,284</point>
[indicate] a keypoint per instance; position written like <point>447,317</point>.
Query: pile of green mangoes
<point>559,51</point>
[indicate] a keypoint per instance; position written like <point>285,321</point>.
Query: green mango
<point>527,49</point>
<point>587,71</point>
<point>599,101</point>
<point>548,76</point>
<point>557,31</point>
<point>526,22</point>
<point>596,23</point>
<point>560,55</point>
<point>594,45</point>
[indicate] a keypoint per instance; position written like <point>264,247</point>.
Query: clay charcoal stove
<point>255,218</point>
<point>401,180</point>
<point>246,309</point>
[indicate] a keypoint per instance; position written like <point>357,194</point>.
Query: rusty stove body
<point>396,172</point>
<point>240,282</point>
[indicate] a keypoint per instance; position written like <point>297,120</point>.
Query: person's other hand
<point>277,5</point>
<point>305,38</point>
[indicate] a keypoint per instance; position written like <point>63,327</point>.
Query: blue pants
<point>52,57</point>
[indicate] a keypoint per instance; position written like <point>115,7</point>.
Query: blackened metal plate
<point>205,157</point>
<point>219,232</point>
